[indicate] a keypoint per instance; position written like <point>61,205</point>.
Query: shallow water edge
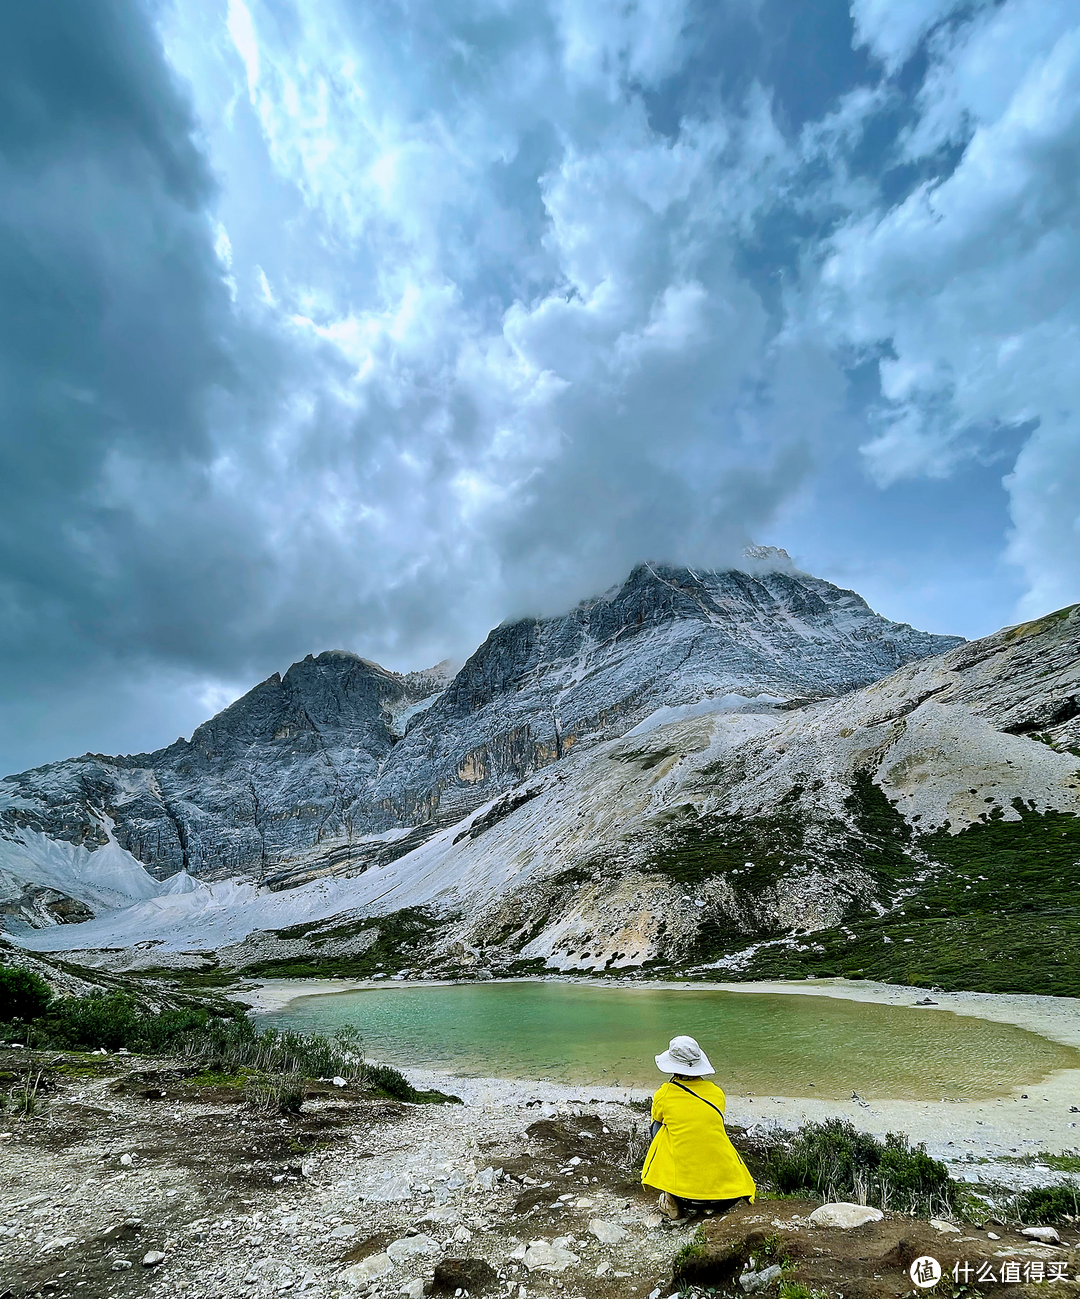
<point>1056,1018</point>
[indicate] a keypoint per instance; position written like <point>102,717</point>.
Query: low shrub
<point>382,1080</point>
<point>23,994</point>
<point>224,1045</point>
<point>115,1019</point>
<point>797,1290</point>
<point>692,1252</point>
<point>1045,1206</point>
<point>836,1161</point>
<point>275,1093</point>
<point>390,1082</point>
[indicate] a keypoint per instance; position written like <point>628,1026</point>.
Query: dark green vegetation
<point>1001,953</point>
<point>23,994</point>
<point>402,940</point>
<point>836,1162</point>
<point>116,1020</point>
<point>993,908</point>
<point>1065,1163</point>
<point>998,911</point>
<point>756,850</point>
<point>273,1067</point>
<point>1049,1205</point>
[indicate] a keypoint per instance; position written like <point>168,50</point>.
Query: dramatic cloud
<point>330,324</point>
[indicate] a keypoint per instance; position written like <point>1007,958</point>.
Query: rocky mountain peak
<point>340,762</point>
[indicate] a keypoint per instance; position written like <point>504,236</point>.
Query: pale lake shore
<point>1009,1126</point>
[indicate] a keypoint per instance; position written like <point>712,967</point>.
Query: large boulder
<point>410,1247</point>
<point>842,1214</point>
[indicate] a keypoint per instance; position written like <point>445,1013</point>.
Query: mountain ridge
<point>924,828</point>
<point>309,771</point>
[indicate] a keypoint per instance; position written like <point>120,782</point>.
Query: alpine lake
<point>760,1043</point>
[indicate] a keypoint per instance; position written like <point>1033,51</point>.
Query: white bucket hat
<point>684,1056</point>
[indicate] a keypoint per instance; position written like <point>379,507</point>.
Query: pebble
<point>607,1233</point>
<point>939,1224</point>
<point>121,1264</point>
<point>152,1258</point>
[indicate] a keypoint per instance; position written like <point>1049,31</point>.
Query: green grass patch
<point>752,852</point>
<point>1067,1163</point>
<point>403,940</point>
<point>1004,953</point>
<point>993,908</point>
<point>1005,867</point>
<point>797,1290</point>
<point>1039,625</point>
<point>693,1252</point>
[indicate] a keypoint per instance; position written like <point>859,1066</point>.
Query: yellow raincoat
<point>691,1156</point>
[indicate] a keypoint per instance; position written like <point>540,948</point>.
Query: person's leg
<point>720,1207</point>
<point>670,1206</point>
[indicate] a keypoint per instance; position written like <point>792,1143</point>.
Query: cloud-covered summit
<point>373,325</point>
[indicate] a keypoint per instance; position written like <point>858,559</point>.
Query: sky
<point>368,324</point>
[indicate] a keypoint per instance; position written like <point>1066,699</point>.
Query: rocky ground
<point>820,1251</point>
<point>137,1177</point>
<point>134,1179</point>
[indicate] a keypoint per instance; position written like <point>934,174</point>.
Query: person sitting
<point>691,1157</point>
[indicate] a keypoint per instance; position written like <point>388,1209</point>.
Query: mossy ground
<point>975,953</point>
<point>403,940</point>
<point>993,908</point>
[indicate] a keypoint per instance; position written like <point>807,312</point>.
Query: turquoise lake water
<point>761,1043</point>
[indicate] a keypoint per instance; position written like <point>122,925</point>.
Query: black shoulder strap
<point>690,1092</point>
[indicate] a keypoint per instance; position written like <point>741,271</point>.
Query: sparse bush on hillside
<point>274,1064</point>
<point>23,994</point>
<point>1049,1205</point>
<point>834,1160</point>
<point>115,1019</point>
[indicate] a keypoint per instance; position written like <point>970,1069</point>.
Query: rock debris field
<point>141,1177</point>
<point>134,1179</point>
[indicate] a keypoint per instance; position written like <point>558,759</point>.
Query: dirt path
<point>127,1158</point>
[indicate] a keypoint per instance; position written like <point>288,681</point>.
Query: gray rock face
<point>341,764</point>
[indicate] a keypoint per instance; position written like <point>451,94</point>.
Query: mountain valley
<point>710,775</point>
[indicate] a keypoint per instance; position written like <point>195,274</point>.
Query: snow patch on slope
<point>730,703</point>
<point>106,879</point>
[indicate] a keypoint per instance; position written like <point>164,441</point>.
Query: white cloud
<point>503,350</point>
<point>496,297</point>
<point>973,282</point>
<point>892,29</point>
